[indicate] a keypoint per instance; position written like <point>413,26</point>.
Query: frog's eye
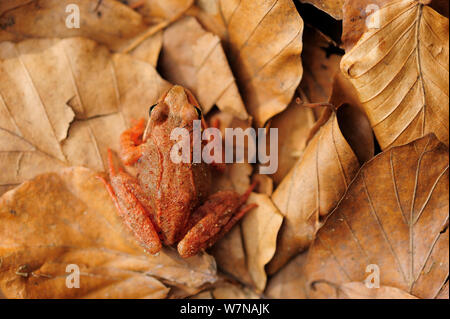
<point>199,112</point>
<point>151,109</point>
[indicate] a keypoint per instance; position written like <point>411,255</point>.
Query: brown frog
<point>169,203</point>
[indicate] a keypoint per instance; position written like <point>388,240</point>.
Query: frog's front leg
<point>213,220</point>
<point>132,206</point>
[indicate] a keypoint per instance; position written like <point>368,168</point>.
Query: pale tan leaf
<point>64,102</point>
<point>400,72</point>
<point>259,232</point>
<point>195,59</point>
<point>59,219</point>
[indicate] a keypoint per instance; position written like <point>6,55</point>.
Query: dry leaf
<point>332,7</point>
<point>320,177</point>
<point>195,59</point>
<point>264,184</point>
<point>358,290</point>
<point>227,290</point>
<point>246,250</point>
<point>356,15</point>
<point>64,102</point>
<point>263,43</point>
<point>294,125</point>
<point>230,256</point>
<point>108,22</point>
<point>259,232</point>
<point>443,294</point>
<point>68,218</point>
<point>400,72</point>
<point>395,216</point>
<point>156,11</point>
<point>149,49</point>
<point>288,283</point>
<point>319,66</point>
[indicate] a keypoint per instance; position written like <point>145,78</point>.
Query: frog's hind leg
<point>213,220</point>
<point>125,191</point>
<point>130,140</point>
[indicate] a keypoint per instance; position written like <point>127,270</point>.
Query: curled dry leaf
<point>332,7</point>
<point>263,44</point>
<point>64,102</point>
<point>108,22</point>
<point>400,72</point>
<point>195,59</point>
<point>395,216</point>
<point>56,220</point>
<point>318,180</point>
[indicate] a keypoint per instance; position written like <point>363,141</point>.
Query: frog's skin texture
<point>169,203</point>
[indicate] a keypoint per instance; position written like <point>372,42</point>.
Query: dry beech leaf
<point>318,180</point>
<point>195,59</point>
<point>203,295</point>
<point>59,219</point>
<point>149,49</point>
<point>319,66</point>
<point>247,248</point>
<point>259,232</point>
<point>288,283</point>
<point>265,184</point>
<point>400,72</point>
<point>64,102</point>
<point>393,215</point>
<point>356,15</point>
<point>443,294</point>
<point>294,125</point>
<point>156,11</point>
<point>358,290</point>
<point>263,44</point>
<point>230,256</point>
<point>226,290</point>
<point>332,7</point>
<point>108,22</point>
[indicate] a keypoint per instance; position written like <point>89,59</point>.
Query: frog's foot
<point>126,192</point>
<point>213,220</point>
<point>130,140</point>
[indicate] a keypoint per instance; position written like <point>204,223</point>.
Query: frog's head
<point>178,108</point>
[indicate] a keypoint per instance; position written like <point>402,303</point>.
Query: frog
<point>168,203</point>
